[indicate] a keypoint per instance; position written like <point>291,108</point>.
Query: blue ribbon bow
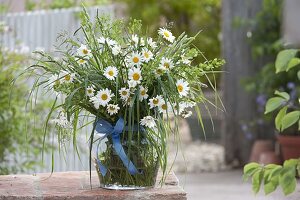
<point>106,128</point>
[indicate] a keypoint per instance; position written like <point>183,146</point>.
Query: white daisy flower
<point>159,71</point>
<point>147,55</point>
<point>135,39</point>
<point>111,43</point>
<point>81,61</point>
<point>166,63</point>
<point>143,93</point>
<point>110,72</point>
<point>112,109</point>
<point>90,91</point>
<point>124,93</point>
<point>101,40</point>
<point>151,43</point>
<point>66,77</point>
<point>116,50</point>
<point>84,51</point>
<point>155,101</point>
<point>102,98</point>
<point>132,83</point>
<point>135,74</point>
<point>148,121</point>
<point>182,87</point>
<point>166,34</point>
<point>165,107</point>
<point>135,59</point>
<point>186,114</point>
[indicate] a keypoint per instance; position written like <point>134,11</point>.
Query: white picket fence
<point>39,29</point>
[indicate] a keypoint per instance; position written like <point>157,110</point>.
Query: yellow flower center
<point>85,51</point>
<point>111,108</point>
<point>136,76</point>
<point>90,91</point>
<point>159,71</point>
<point>143,92</point>
<point>166,34</point>
<point>111,73</point>
<point>180,88</point>
<point>167,65</point>
<point>135,59</point>
<point>155,101</point>
<point>124,93</point>
<point>68,77</point>
<point>81,61</point>
<point>146,54</point>
<point>164,106</point>
<point>104,97</point>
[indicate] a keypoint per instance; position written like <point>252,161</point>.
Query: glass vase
<point>142,154</point>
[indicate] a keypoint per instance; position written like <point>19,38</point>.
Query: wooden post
<point>236,51</point>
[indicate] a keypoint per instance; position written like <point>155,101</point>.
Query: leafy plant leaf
<point>274,103</point>
<point>284,95</point>
<point>250,169</point>
<point>287,180</point>
<point>293,63</point>
<point>298,74</point>
<point>279,117</point>
<point>283,58</point>
<point>290,119</point>
<point>257,180</point>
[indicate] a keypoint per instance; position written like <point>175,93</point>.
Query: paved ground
<point>225,186</point>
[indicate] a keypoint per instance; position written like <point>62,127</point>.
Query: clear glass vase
<point>141,153</point>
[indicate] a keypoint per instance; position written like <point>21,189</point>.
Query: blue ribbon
<point>106,128</point>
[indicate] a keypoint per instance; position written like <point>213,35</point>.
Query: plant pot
<point>142,154</point>
<point>290,146</point>
<point>259,147</point>
<point>269,157</point>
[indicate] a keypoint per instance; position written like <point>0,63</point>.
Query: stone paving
<point>226,185</point>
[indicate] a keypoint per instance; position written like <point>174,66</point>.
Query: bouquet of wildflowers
<point>133,87</point>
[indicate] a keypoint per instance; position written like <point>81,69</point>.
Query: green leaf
<point>289,119</point>
<point>284,95</point>
<point>293,63</point>
<point>279,117</point>
<point>271,185</point>
<point>287,180</point>
<point>250,169</point>
<point>256,180</point>
<point>274,103</point>
<point>291,163</point>
<point>298,74</point>
<point>276,171</point>
<point>283,58</point>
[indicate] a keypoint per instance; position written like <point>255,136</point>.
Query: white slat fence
<point>39,29</point>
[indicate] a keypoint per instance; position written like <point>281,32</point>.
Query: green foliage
<point>20,133</point>
<point>188,16</point>
<point>271,176</point>
<point>59,4</point>
<point>265,43</point>
<point>286,60</point>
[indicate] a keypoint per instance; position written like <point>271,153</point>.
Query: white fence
<point>39,29</point>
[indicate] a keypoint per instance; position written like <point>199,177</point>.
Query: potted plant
<point>288,116</point>
<point>127,86</point>
<point>287,119</point>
